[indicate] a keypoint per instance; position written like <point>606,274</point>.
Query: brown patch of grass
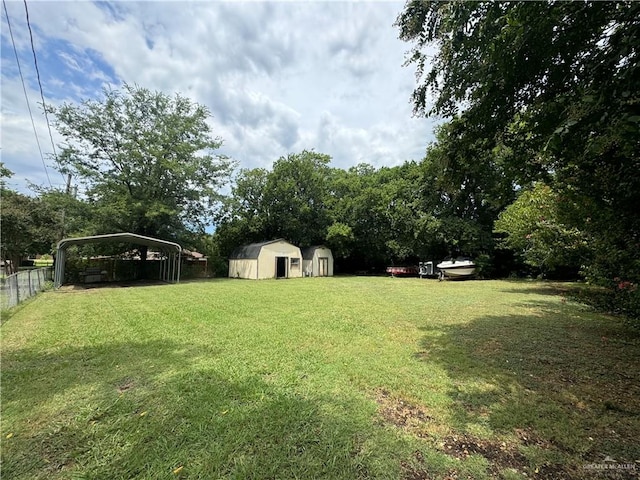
<point>402,413</point>
<point>124,385</point>
<point>502,455</point>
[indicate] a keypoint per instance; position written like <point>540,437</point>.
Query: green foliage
<point>464,186</point>
<point>146,160</point>
<point>295,198</point>
<point>217,262</point>
<point>548,90</point>
<point>380,206</point>
<point>4,173</point>
<point>29,226</point>
<point>290,202</point>
<point>620,297</point>
<point>533,229</point>
<point>340,239</point>
<point>370,217</point>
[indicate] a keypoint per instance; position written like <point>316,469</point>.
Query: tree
<point>374,213</point>
<point>290,201</point>
<point>552,86</point>
<point>464,189</point>
<point>4,173</point>
<point>29,227</point>
<point>146,160</point>
<point>295,198</point>
<point>534,230</point>
<point>340,240</point>
<point>242,218</point>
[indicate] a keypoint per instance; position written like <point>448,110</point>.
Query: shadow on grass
<point>563,385</point>
<point>150,410</point>
<point>538,287</point>
<point>143,283</point>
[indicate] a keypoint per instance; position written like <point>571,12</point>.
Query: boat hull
<point>463,269</point>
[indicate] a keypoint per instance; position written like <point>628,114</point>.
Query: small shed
<point>317,261</point>
<point>273,259</point>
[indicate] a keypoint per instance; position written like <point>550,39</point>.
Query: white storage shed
<point>273,259</point>
<point>317,261</point>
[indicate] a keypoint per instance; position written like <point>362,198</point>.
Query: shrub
<point>621,297</point>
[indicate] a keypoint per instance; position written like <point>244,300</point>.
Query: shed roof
<point>252,250</point>
<point>307,253</point>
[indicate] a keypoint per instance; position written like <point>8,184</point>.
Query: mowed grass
<point>337,378</point>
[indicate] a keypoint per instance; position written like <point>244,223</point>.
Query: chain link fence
<point>18,287</point>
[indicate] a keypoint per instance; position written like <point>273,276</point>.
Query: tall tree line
<point>369,217</point>
<point>548,94</point>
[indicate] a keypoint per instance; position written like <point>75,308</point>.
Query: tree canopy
<point>550,88</point>
<point>370,217</point>
<point>534,231</point>
<point>146,159</point>
<point>29,226</point>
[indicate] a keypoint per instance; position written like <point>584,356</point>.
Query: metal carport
<point>170,271</point>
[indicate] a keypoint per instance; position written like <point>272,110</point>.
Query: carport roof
<point>252,250</point>
<point>120,237</point>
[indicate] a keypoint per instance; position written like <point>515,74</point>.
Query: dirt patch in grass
<point>124,385</point>
<point>413,418</point>
<point>500,456</point>
<point>402,413</point>
<point>498,453</point>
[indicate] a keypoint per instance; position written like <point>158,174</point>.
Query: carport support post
<point>168,265</point>
<point>179,264</point>
<point>59,270</point>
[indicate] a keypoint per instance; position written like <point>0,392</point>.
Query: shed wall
<point>243,268</point>
<point>267,260</point>
<point>312,266</point>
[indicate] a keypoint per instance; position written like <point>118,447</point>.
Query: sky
<point>277,77</point>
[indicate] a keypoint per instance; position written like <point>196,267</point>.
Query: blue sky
<point>278,77</point>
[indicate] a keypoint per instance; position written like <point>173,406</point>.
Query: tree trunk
<point>14,263</point>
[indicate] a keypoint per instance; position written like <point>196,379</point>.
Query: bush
<point>621,297</point>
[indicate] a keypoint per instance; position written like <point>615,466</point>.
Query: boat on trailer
<point>457,268</point>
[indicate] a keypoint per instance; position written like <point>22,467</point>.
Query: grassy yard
<point>336,378</point>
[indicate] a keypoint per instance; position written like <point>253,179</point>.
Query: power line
<point>24,89</point>
<point>44,106</point>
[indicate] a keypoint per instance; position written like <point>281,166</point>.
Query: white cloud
<point>278,77</point>
<point>28,154</point>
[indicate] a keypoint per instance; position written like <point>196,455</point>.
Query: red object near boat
<point>402,271</point>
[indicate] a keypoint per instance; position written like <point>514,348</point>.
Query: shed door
<point>281,267</point>
<point>323,266</point>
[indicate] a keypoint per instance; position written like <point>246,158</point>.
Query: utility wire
<point>24,88</point>
<point>44,106</point>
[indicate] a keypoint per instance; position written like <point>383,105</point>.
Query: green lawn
<point>336,378</point>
